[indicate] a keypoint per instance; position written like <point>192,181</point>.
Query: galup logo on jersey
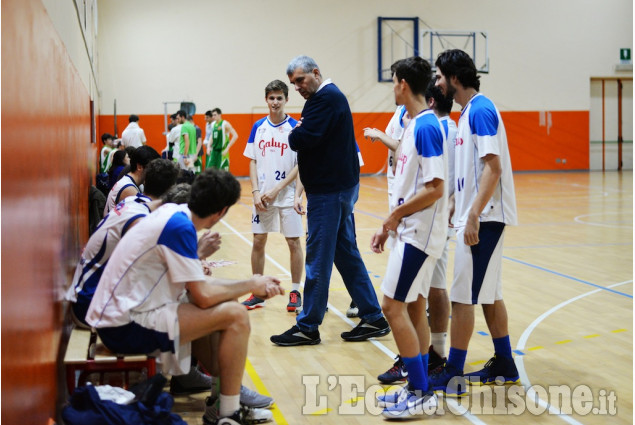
<point>263,145</point>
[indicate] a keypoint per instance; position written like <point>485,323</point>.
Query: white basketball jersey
<point>148,269</point>
<point>114,196</point>
<point>103,242</point>
<point>394,131</point>
<point>481,132</point>
<point>422,159</point>
<point>450,130</point>
<point>268,144</point>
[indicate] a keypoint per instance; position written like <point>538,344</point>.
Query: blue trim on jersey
<point>483,117</point>
<point>91,263</point>
<point>129,222</point>
<point>255,127</point>
<point>428,136</point>
<point>101,223</point>
<point>444,123</point>
<point>179,235</point>
<point>142,199</point>
<point>279,124</point>
<point>434,215</point>
<point>489,234</point>
<point>413,259</point>
<point>121,190</point>
<point>401,115</point>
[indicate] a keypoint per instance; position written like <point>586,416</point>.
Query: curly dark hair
<point>457,63</point>
<point>160,176</point>
<point>212,191</point>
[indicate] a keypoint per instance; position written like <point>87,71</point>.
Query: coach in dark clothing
<point>329,170</point>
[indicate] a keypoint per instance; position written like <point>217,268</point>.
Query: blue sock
<point>502,346</point>
<point>417,372</point>
<point>456,358</point>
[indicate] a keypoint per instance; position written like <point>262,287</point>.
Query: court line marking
<point>522,341</point>
<point>579,219</point>
<point>461,411</point>
<point>262,389</point>
<point>519,359</point>
<point>595,285</point>
<point>531,265</point>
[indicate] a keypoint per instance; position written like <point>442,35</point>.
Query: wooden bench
<point>87,355</point>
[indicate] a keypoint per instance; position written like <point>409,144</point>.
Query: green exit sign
<point>625,55</point>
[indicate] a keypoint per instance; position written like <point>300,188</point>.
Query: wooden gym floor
<point>568,287</point>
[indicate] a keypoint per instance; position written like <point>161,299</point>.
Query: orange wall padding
<point>46,167</point>
<point>532,146</point>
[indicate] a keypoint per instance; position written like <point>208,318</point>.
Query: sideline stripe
<point>458,409</point>
<point>262,389</point>
<point>523,341</point>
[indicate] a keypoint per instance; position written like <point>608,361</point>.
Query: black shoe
<point>365,330</point>
<point>498,370</point>
<point>397,373</point>
<point>295,336</point>
<point>435,362</point>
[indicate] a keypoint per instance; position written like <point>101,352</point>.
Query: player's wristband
<point>255,190</point>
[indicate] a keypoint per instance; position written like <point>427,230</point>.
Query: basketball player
<point>485,203</point>
<point>141,309</point>
<point>129,184</point>
<point>418,222</point>
<point>273,171</point>
<point>438,302</point>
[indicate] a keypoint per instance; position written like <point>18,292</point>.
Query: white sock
<point>228,405</point>
<point>216,386</point>
<point>437,340</point>
<point>295,287</point>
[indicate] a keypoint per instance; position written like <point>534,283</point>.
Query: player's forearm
<point>432,192</point>
<point>253,176</point>
<point>214,291</point>
<point>291,176</point>
<point>390,143</point>
<point>299,187</point>
<point>232,138</point>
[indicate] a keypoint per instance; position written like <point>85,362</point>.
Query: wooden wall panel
<point>47,160</point>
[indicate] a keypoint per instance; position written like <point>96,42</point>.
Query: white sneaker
<point>390,399</point>
<point>416,403</point>
<point>258,416</point>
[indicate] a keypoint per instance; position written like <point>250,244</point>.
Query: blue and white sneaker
<point>392,398</point>
<point>413,403</point>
